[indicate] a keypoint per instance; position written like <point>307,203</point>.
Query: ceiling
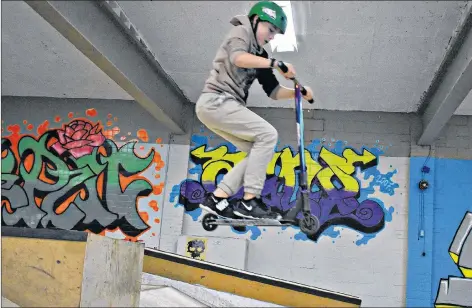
<point>366,55</point>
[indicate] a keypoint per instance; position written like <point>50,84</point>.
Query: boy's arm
<point>247,60</point>
<point>270,84</point>
<point>238,46</point>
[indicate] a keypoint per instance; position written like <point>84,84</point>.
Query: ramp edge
<point>51,234</point>
<point>253,276</point>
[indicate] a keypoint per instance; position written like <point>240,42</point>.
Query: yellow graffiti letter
<point>216,161</point>
<point>343,168</point>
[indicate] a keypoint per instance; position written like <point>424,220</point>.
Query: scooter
<point>308,223</point>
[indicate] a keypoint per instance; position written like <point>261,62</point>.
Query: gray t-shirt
<point>227,77</point>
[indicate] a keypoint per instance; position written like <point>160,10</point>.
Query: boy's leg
<point>238,124</point>
<point>233,180</point>
<point>216,202</point>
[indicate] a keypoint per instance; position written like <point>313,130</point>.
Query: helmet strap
<point>254,27</point>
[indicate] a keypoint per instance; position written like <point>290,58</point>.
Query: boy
<point>221,107</point>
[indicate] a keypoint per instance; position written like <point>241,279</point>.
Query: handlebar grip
<point>282,66</point>
<point>284,69</point>
<point>303,91</point>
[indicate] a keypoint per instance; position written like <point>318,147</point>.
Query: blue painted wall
<point>446,201</point>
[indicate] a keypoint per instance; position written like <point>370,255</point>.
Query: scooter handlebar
<point>284,69</point>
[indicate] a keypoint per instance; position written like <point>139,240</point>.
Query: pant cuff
<point>254,191</point>
<point>225,188</point>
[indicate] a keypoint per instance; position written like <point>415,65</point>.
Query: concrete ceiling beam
<point>101,31</point>
<point>451,85</point>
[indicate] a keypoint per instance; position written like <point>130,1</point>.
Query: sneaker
<point>254,208</point>
<point>217,206</point>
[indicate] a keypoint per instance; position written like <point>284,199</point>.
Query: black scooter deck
<point>250,222</point>
<point>216,220</point>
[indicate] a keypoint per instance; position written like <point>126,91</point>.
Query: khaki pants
<point>250,133</point>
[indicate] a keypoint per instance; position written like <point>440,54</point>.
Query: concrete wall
<point>354,253</point>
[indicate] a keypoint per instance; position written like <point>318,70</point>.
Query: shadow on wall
<point>457,291</point>
<point>77,176</point>
<point>336,196</point>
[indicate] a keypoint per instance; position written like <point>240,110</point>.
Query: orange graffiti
<point>153,205</point>
<point>30,127</point>
<point>91,112</point>
<point>111,133</point>
<point>159,140</point>
<point>57,119</point>
<point>38,201</point>
<point>144,216</point>
<point>42,128</point>
<point>42,175</point>
<point>64,205</point>
<point>25,122</point>
<point>7,205</point>
<point>29,161</point>
<point>157,176</point>
<point>158,160</point>
<point>14,137</point>
<point>157,190</point>
<point>143,135</point>
<point>157,220</point>
<point>109,123</point>
<point>70,115</point>
<point>100,185</point>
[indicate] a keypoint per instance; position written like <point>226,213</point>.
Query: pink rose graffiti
<point>79,138</point>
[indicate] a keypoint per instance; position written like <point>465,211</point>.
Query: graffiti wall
<point>78,171</point>
<point>334,177</point>
<point>358,195</point>
<point>440,242</point>
<point>456,291</point>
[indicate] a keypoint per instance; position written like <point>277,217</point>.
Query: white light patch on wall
<point>287,41</point>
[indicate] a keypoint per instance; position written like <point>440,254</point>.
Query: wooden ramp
<point>59,268</point>
<point>242,283</point>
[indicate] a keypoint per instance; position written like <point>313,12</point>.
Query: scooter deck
<point>250,222</point>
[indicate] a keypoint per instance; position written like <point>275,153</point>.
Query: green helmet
<point>270,12</point>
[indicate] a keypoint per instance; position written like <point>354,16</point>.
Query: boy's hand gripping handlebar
<point>284,69</point>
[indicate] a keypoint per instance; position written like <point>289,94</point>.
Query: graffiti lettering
<point>73,178</point>
<point>334,189</point>
<point>455,291</point>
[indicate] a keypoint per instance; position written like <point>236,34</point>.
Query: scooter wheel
<point>309,225</point>
<point>208,222</point>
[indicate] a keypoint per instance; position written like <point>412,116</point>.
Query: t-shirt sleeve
<point>267,79</point>
<point>238,42</point>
